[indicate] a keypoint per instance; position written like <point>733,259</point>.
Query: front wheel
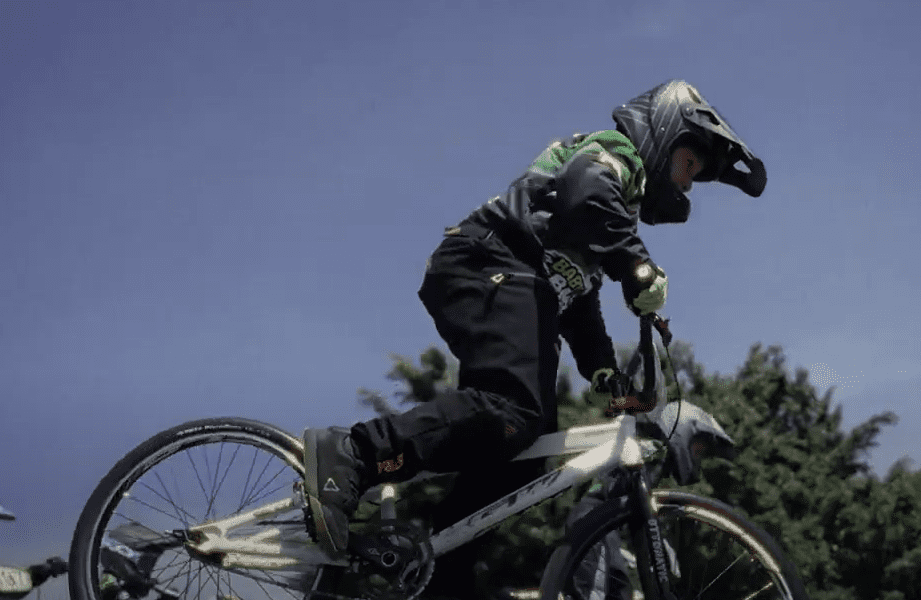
<point>710,551</point>
<point>129,541</point>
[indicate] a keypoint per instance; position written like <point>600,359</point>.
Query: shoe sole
<point>312,488</point>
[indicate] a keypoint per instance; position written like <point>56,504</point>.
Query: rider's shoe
<point>335,477</point>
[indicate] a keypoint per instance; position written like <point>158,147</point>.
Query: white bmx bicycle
<point>215,509</point>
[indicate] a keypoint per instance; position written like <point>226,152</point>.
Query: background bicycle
<point>18,582</point>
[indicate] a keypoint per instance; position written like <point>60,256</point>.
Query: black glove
<point>608,383</point>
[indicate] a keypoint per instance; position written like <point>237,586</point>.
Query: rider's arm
<point>598,192</point>
<point>595,198</point>
<point>582,326</point>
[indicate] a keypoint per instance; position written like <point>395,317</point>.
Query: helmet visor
<point>726,150</point>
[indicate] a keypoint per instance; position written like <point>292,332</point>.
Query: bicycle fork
<point>654,558</point>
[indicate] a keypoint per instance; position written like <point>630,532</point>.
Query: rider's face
<point>686,164</point>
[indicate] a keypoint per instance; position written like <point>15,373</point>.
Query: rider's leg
<point>527,359</point>
<point>504,335</point>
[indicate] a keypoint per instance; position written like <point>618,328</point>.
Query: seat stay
<point>275,548</point>
<point>620,448</point>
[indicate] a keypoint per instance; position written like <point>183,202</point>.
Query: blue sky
<point>225,208</point>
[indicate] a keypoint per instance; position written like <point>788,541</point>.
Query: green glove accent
<point>652,298</point>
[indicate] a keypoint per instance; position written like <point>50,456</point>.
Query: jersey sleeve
<point>582,326</point>
<point>594,193</point>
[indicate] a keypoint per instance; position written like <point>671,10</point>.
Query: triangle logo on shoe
<point>331,486</point>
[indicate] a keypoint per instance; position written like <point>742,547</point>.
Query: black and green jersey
<point>579,202</point>
<point>578,205</point>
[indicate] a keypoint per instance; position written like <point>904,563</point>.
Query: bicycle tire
<point>279,446</point>
<point>678,513</point>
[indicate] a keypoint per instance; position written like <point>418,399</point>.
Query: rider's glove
<point>653,285</point>
<point>608,384</point>
<point>612,389</point>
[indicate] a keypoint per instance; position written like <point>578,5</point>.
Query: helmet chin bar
<point>753,182</point>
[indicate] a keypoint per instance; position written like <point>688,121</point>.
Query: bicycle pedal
<point>388,503</point>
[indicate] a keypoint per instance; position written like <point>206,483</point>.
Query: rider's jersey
<point>579,203</point>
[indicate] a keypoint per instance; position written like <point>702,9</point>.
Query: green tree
<point>808,483</point>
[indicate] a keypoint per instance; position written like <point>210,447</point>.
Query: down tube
<point>621,450</point>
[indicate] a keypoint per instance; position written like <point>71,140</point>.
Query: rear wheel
<point>129,539</point>
<point>711,552</point>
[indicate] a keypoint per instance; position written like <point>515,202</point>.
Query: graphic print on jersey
<point>567,277</point>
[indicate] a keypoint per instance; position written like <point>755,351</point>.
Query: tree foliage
<point>798,475</point>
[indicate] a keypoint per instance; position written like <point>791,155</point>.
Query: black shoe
<point>334,482</point>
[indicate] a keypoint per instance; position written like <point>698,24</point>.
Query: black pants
<point>499,318</point>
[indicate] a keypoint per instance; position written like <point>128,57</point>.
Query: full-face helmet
<point>672,114</point>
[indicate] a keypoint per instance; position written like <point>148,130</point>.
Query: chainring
<point>391,560</point>
<point>402,562</point>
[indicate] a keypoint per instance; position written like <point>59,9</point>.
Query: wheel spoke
<point>244,489</point>
<point>715,579</point>
<point>168,499</point>
<point>262,492</point>
<point>201,484</point>
<point>176,516</point>
<point>215,487</point>
<point>248,498</point>
<point>227,469</point>
<point>757,593</point>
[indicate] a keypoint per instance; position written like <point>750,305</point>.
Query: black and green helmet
<point>672,113</point>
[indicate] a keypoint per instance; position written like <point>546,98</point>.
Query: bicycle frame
<point>600,448</point>
<point>603,448</point>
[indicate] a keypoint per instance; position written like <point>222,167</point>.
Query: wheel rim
<point>188,482</point>
<point>717,559</point>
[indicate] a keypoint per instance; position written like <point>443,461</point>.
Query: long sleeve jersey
<point>578,204</point>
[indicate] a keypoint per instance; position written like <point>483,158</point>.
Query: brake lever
<point>661,326</point>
